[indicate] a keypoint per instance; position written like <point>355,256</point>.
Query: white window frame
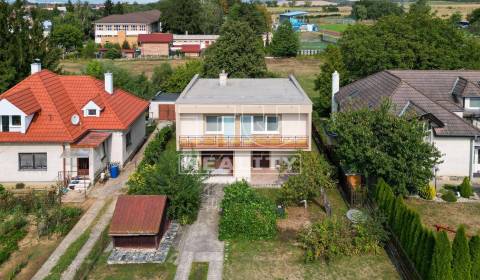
<point>11,121</point>
<point>217,131</point>
<point>265,123</point>
<point>470,103</point>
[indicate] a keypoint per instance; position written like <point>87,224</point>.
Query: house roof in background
<point>61,97</point>
<point>137,17</point>
<point>194,37</point>
<point>138,215</point>
<point>433,91</point>
<point>166,97</point>
<point>270,91</point>
<point>294,13</point>
<point>194,48</point>
<point>155,38</point>
<point>93,139</point>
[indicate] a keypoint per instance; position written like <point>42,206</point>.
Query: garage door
<point>166,112</point>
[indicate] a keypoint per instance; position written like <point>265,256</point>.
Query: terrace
<point>246,142</point>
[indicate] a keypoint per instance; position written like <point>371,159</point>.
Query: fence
<point>309,52</point>
<point>355,198</point>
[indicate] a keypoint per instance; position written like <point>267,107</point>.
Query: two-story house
<point>448,101</point>
<point>119,28</point>
<point>242,128</point>
<point>54,127</point>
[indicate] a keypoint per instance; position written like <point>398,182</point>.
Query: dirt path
<point>101,195</point>
<point>200,242</point>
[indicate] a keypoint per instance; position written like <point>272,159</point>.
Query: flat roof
<point>295,13</point>
<point>268,91</point>
<point>166,97</point>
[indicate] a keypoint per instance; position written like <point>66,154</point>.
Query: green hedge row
<point>157,146</point>
<point>432,254</point>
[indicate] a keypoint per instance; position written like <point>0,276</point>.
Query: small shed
<point>155,44</point>
<point>139,221</point>
<point>192,50</point>
<point>162,106</point>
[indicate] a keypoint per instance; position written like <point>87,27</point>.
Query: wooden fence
<point>395,251</point>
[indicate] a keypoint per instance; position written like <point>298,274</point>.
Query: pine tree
<point>419,249</point>
<point>465,188</point>
<point>461,265</point>
<point>474,246</point>
<point>285,41</point>
<point>399,213</point>
<point>414,234</point>
<point>441,268</point>
<point>107,8</point>
<point>427,254</point>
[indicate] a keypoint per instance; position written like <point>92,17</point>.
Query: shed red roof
<point>191,48</point>
<point>61,97</point>
<point>91,140</point>
<point>155,38</point>
<point>138,215</point>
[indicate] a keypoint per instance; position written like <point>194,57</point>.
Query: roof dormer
<point>91,109</point>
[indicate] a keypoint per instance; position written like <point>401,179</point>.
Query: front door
<point>83,166</point>
<point>5,123</point>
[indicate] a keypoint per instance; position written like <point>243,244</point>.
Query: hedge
<point>157,146</point>
<point>430,253</point>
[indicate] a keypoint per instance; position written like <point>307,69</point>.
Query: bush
<point>450,187</point>
<point>474,246</point>
<point>442,258</point>
<point>461,265</point>
<point>315,173</point>
<point>246,215</point>
<point>11,232</point>
<point>19,186</point>
<point>370,235</point>
<point>157,146</point>
<point>428,192</point>
<point>449,196</point>
<point>465,188</point>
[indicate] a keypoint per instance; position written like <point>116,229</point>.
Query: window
<point>474,103</point>
<point>128,139</point>
<point>100,27</point>
<point>133,27</point>
<point>32,161</point>
<point>214,124</point>
<point>116,27</point>
<point>265,123</point>
<point>109,28</point>
<point>16,121</point>
<point>91,112</point>
<point>143,27</point>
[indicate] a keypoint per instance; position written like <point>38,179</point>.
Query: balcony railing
<point>244,142</point>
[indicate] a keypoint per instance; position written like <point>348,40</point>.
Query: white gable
<point>91,106</point>
<point>7,108</point>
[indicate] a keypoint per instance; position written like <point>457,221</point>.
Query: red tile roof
<point>25,101</point>
<point>138,215</point>
<point>91,140</point>
<point>191,48</point>
<point>155,38</point>
<point>60,97</point>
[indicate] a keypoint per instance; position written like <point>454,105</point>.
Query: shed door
<point>166,112</point>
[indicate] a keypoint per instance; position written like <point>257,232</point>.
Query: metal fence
<point>309,52</point>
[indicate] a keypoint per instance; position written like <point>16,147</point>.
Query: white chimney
<point>222,78</point>
<point>109,82</point>
<point>35,67</point>
<point>335,89</point>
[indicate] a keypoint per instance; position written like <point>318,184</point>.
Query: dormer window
<point>16,120</point>
<point>91,109</point>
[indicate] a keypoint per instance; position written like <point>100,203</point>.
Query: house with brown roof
<point>119,28</point>
<point>448,101</point>
<point>55,127</point>
<point>155,44</point>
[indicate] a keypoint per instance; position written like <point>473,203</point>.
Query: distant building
<point>119,28</point>
<point>204,41</point>
<point>47,27</point>
<point>162,106</point>
<point>155,44</point>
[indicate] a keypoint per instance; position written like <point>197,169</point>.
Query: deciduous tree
<point>180,16</point>
<point>285,41</point>
<point>67,36</point>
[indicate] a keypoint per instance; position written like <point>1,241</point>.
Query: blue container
<point>114,171</point>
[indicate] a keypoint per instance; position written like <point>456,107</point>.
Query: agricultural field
<point>445,9</point>
<point>316,10</point>
<point>450,214</point>
<point>282,258</point>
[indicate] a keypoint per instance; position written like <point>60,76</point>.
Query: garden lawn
<point>448,214</point>
<point>104,271</point>
<point>334,27</point>
<point>199,271</point>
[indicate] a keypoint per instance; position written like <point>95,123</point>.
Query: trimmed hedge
<point>430,253</point>
<point>246,215</point>
<point>157,146</point>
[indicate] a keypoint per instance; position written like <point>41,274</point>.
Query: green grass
<point>199,271</point>
<point>68,256</point>
<point>94,255</point>
<point>308,84</point>
<point>313,45</point>
<point>104,271</point>
<point>337,27</point>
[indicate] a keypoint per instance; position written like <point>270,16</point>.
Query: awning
<point>91,140</point>
<point>75,153</point>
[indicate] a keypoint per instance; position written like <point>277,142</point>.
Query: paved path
<point>200,241</point>
<point>102,194</point>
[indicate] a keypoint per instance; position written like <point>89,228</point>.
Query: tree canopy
<point>67,36</point>
<point>375,9</point>
<point>254,14</point>
<point>180,16</point>
<point>22,42</point>
<point>285,42</point>
<point>238,51</point>
<point>377,143</point>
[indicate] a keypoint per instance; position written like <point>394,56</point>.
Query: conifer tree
<point>461,265</point>
<point>474,246</point>
<point>427,254</point>
<point>285,41</point>
<point>441,268</point>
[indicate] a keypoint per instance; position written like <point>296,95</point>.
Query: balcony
<point>244,142</point>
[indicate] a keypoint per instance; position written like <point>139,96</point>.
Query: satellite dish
<point>75,119</point>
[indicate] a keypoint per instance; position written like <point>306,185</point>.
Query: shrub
<point>465,188</point>
<point>450,187</point>
<point>428,192</point>
<point>461,264</point>
<point>246,215</point>
<point>157,146</point>
<point>449,196</point>
<point>474,246</point>
<point>442,258</point>
<point>19,186</point>
<point>11,232</point>
<point>370,235</point>
<point>315,173</point>
<point>327,239</point>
